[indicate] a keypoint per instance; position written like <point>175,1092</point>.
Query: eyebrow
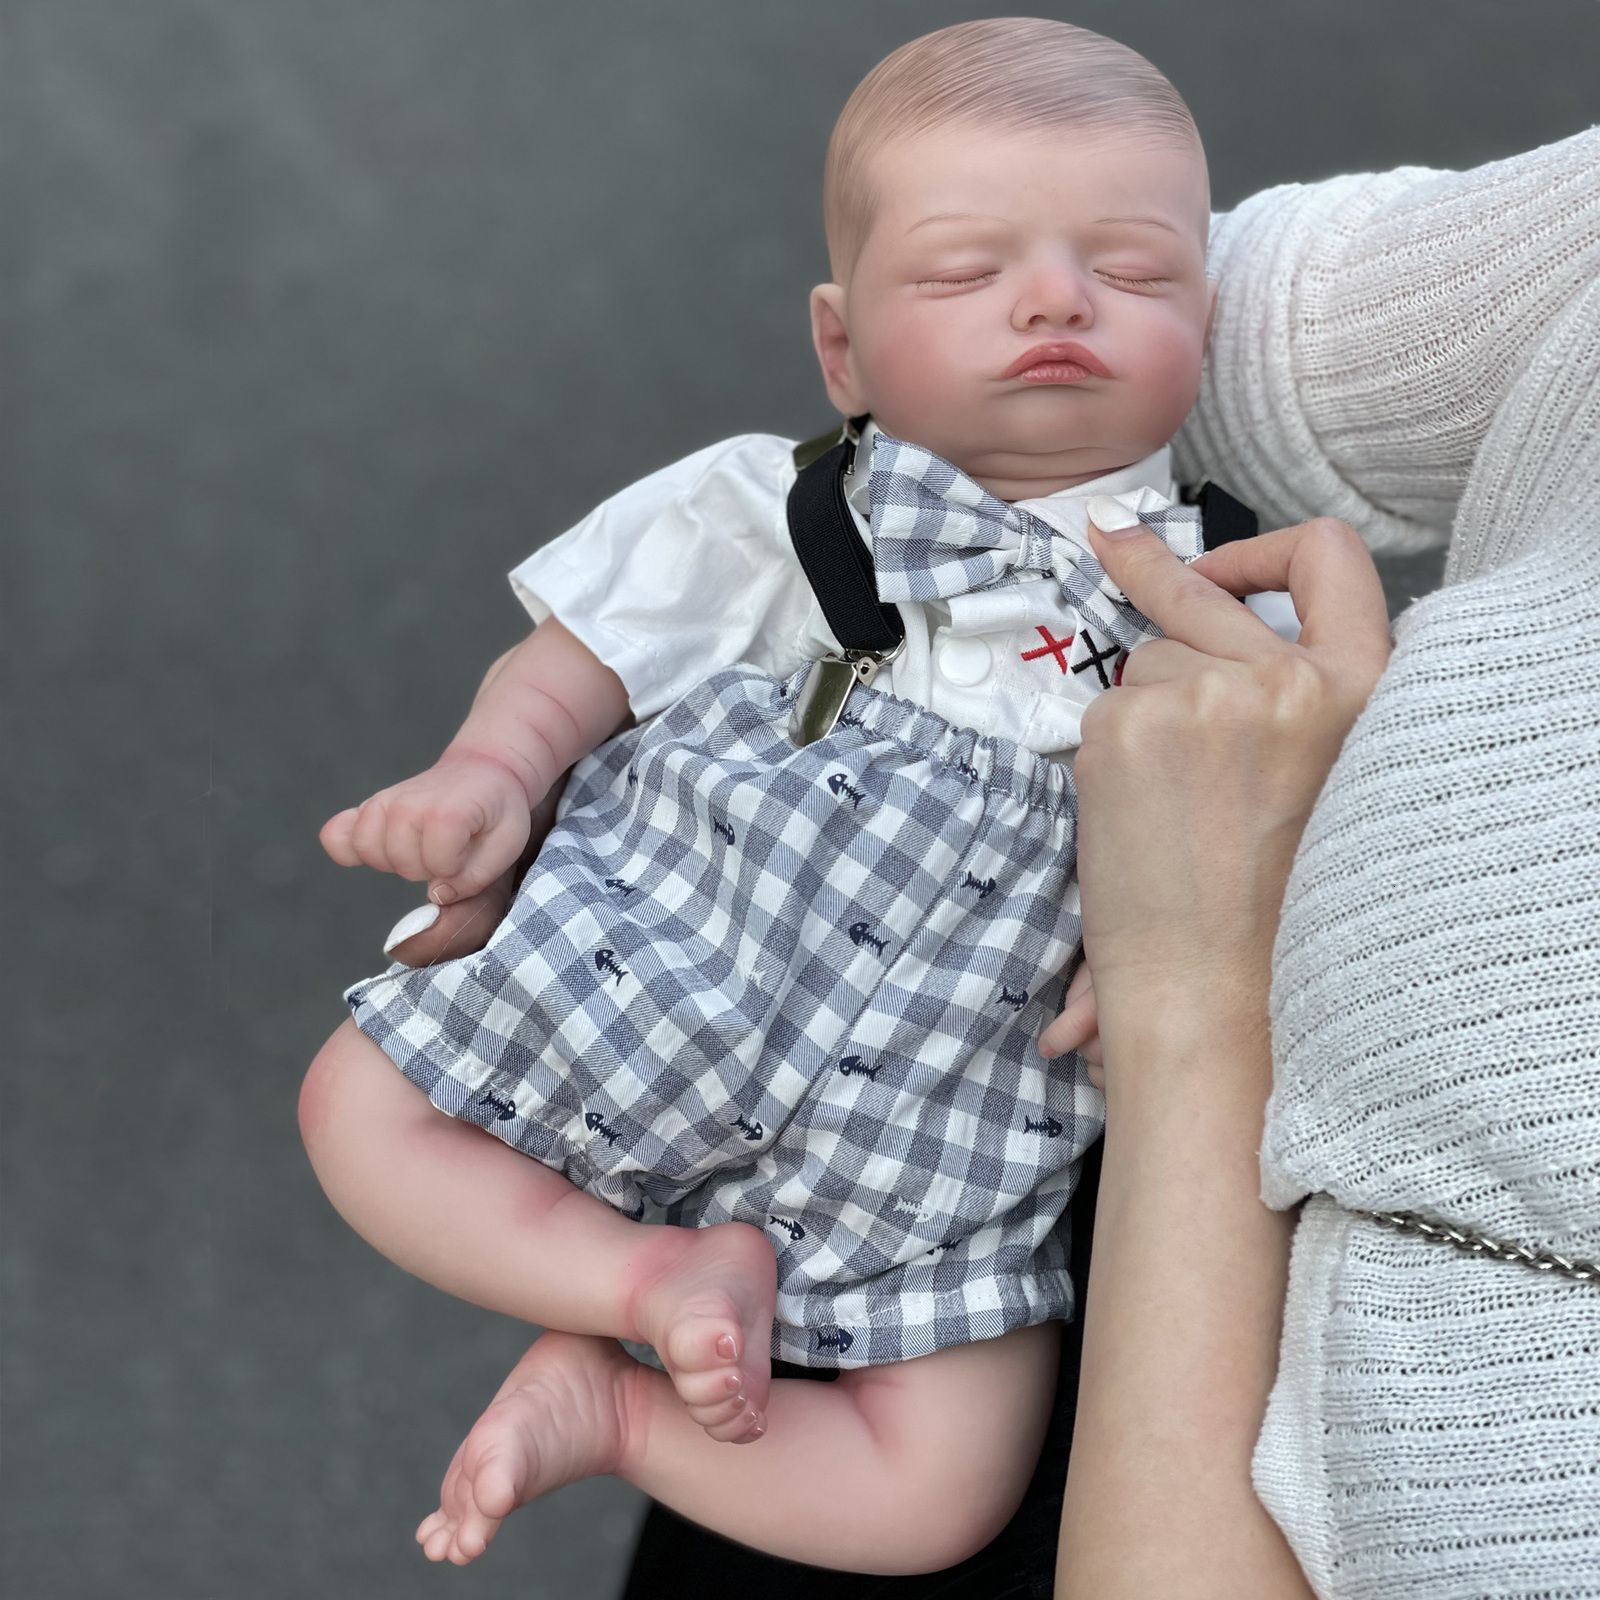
<point>978,216</point>
<point>1147,222</point>
<point>954,216</point>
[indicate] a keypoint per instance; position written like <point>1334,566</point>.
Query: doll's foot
<point>560,1416</point>
<point>704,1299</point>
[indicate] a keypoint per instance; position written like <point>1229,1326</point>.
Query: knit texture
<point>1418,353</point>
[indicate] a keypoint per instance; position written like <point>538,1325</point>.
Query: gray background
<point>320,314</point>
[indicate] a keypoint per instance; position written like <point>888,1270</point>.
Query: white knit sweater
<point>1418,352</point>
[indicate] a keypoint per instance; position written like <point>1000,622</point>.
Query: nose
<point>1055,294</point>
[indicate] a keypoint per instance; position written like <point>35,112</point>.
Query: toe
<point>714,1416</point>
<point>437,1545</point>
<point>495,1488</point>
<point>473,1538</point>
<point>701,1345</point>
<point>708,1388</point>
<point>737,1429</point>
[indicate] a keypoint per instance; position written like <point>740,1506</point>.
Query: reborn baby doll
<point>789,996</point>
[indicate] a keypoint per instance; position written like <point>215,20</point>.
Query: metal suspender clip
<point>839,568</point>
<point>828,684</point>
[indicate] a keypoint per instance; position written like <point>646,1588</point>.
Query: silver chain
<point>1478,1244</point>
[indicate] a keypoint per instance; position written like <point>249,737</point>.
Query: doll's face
<point>985,244</point>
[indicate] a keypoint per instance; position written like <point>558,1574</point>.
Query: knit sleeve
<point>1369,325</point>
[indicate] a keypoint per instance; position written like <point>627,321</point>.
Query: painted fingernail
<point>1111,516</point>
<point>410,925</point>
<point>726,1347</point>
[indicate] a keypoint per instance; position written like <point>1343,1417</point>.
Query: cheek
<point>912,357</point>
<point>1169,358</point>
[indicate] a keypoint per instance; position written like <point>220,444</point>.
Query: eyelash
<point>1140,283</point>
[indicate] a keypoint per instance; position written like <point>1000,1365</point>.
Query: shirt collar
<point>1154,472</point>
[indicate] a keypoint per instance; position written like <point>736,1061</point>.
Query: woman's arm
<point>1195,780</point>
<point>1182,1320</point>
<point>1370,325</point>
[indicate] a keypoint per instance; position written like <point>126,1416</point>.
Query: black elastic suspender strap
<point>836,562</point>
<point>1222,518</point>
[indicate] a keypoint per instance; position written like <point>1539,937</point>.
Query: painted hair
<point>1017,73</point>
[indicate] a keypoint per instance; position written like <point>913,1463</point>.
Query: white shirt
<point>692,569</point>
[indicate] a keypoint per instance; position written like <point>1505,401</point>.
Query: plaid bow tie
<point>937,532</point>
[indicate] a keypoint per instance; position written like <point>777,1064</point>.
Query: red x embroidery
<point>1051,647</point>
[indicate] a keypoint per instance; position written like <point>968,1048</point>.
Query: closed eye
<point>1141,283</point>
<point>954,283</point>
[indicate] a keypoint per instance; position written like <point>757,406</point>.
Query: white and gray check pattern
<point>799,987</point>
<point>937,532</point>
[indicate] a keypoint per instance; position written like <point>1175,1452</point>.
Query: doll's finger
<point>335,837</point>
<point>1082,983</point>
<point>488,855</point>
<point>447,839</point>
<point>1076,1023</point>
<point>1091,1050</point>
<point>370,834</point>
<point>403,841</point>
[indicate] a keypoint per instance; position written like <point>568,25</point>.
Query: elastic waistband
<point>996,764</point>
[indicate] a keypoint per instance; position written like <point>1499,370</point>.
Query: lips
<point>1057,354</point>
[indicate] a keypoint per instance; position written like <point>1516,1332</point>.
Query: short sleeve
<point>685,572</point>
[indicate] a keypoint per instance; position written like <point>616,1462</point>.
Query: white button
<point>965,661</point>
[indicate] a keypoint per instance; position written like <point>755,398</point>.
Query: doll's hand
<point>433,933</point>
<point>458,825</point>
<point>1078,1027</point>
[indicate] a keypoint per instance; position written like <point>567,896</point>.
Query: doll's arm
<point>461,823</point>
<point>541,706</point>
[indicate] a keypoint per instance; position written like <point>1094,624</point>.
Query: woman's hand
<point>1195,779</point>
<point>1196,776</point>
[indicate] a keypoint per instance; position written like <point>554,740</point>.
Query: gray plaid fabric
<point>799,987</point>
<point>938,532</point>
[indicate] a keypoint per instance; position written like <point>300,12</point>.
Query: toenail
<point>726,1346</point>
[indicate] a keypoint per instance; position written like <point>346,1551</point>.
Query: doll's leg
<point>904,1468</point>
<point>467,1213</point>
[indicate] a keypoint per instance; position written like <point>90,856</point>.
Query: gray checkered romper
<point>799,987</point>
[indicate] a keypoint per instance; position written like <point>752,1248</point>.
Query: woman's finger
<point>454,930</point>
<point>1161,661</point>
<point>1328,573</point>
<point>1183,603</point>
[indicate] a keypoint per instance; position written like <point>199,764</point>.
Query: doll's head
<point>999,186</point>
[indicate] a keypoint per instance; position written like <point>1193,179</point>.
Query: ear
<point>835,353</point>
<point>1211,311</point>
